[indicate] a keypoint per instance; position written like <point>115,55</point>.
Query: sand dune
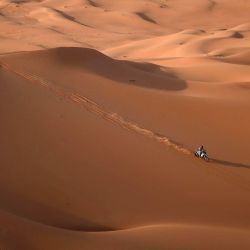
<point>102,104</point>
<point>177,236</point>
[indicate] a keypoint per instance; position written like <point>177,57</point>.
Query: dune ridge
<point>140,232</point>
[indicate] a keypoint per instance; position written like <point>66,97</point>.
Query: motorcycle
<point>201,154</point>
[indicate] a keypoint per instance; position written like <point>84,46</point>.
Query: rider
<point>201,150</point>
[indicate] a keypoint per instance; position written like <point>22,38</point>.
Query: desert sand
<point>102,104</point>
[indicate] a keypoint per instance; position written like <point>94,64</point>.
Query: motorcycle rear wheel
<point>206,158</point>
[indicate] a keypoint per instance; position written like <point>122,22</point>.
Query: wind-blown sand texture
<point>102,104</point>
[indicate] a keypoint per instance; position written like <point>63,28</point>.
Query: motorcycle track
<point>221,172</point>
<point>93,107</point>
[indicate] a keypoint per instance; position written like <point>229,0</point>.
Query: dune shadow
<point>145,17</point>
<point>55,216</point>
<point>229,163</point>
<point>19,1</point>
<point>144,74</point>
<point>245,85</point>
<point>87,60</point>
<point>140,74</point>
<point>68,17</point>
<point>93,3</point>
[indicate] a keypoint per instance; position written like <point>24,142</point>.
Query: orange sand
<point>102,103</point>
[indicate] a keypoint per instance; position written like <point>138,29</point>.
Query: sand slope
<point>99,118</point>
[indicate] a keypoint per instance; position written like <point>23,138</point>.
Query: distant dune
<point>102,104</point>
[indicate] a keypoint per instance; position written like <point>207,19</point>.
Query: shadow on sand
<point>140,74</point>
<point>229,163</point>
<point>40,212</point>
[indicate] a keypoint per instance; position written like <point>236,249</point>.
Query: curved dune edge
<point>94,62</point>
<point>198,56</point>
<point>6,215</point>
<point>30,235</point>
<point>184,44</point>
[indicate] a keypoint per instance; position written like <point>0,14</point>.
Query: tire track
<point>220,172</point>
<point>93,107</point>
